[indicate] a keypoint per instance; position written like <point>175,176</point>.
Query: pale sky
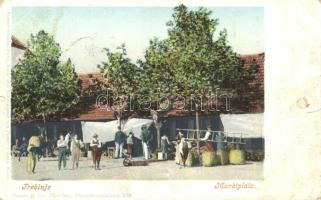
<point>83,32</point>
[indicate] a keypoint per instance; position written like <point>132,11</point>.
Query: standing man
<point>68,143</point>
<point>164,145</point>
<point>220,141</point>
<point>75,147</point>
<point>23,148</point>
<point>143,136</point>
<point>95,145</point>
<point>209,145</point>
<point>62,150</point>
<point>120,138</point>
<point>183,149</point>
<point>146,141</point>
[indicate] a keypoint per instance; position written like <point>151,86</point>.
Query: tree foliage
<point>42,85</point>
<point>120,74</point>
<point>190,59</point>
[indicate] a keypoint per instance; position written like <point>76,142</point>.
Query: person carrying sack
<point>33,144</point>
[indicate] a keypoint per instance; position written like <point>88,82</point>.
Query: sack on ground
<point>237,157</point>
<point>192,159</point>
<point>222,156</point>
<point>209,158</point>
<point>34,141</point>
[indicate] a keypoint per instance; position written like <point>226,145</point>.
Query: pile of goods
<point>237,156</point>
<point>209,158</point>
<point>257,155</point>
<point>192,158</point>
<point>222,156</point>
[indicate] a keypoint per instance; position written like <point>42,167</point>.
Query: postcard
<point>160,99</point>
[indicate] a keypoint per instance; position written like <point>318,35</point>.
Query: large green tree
<point>191,60</point>
<point>42,85</point>
<point>121,80</point>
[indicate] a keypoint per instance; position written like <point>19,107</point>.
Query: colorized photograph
<point>137,93</point>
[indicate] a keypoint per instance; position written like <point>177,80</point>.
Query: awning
<point>251,125</point>
<point>106,130</point>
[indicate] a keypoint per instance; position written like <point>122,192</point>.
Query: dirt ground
<point>47,169</point>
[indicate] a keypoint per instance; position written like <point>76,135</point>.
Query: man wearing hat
<point>95,145</point>
<point>209,144</point>
<point>120,138</point>
<point>62,150</point>
<point>146,141</point>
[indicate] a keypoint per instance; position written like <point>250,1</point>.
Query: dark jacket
<point>146,136</point>
<point>120,137</point>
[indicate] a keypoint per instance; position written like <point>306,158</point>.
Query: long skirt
<point>75,154</point>
<point>184,155</point>
<point>31,162</point>
<point>178,157</point>
<point>130,149</point>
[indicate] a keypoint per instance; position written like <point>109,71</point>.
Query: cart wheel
<point>126,162</point>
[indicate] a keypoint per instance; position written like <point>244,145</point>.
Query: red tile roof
<point>17,43</point>
<point>251,98</point>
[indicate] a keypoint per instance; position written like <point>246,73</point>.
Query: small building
<point>245,115</point>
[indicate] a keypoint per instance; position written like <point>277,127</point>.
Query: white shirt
<point>164,137</point>
<point>95,142</point>
<point>181,145</point>
<point>61,143</point>
<point>207,135</point>
<point>67,138</point>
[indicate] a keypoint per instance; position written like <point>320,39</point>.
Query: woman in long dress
<point>178,157</point>
<point>75,147</point>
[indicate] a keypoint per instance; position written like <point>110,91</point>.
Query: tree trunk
<point>197,131</point>
<point>45,133</point>
<point>158,134</point>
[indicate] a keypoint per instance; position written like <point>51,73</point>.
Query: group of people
<point>68,145</point>
<point>65,145</point>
